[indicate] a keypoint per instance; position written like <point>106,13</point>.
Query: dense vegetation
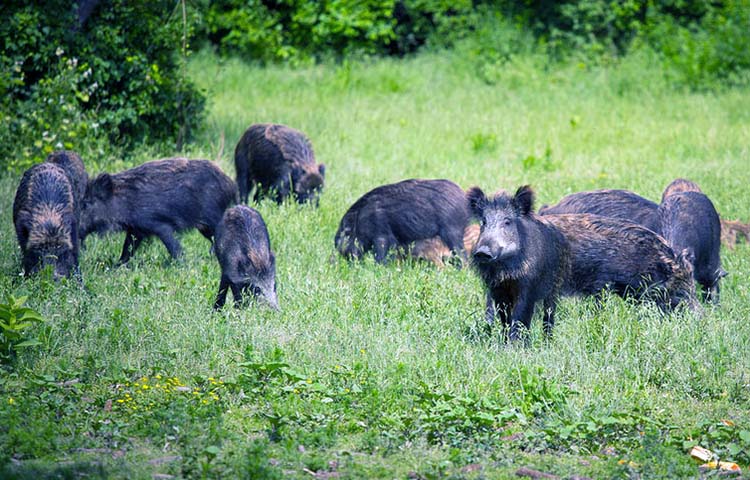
<point>100,80</point>
<point>107,77</point>
<point>382,371</point>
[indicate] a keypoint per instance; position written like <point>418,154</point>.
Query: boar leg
<point>500,304</point>
<point>166,235</point>
<point>550,305</point>
<point>132,242</point>
<point>242,185</point>
<point>711,293</point>
<point>382,245</point>
<point>454,240</point>
<point>237,293</point>
<point>221,297</point>
<point>520,318</point>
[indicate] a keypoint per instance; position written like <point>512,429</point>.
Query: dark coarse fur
<point>158,198</point>
<point>45,219</point>
<point>277,161</point>
<point>398,214</point>
<point>625,258</point>
<point>690,221</point>
<point>622,204</point>
<point>521,259</point>
<point>244,252</point>
<point>75,170</point>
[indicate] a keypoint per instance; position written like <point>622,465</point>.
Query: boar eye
<point>506,221</point>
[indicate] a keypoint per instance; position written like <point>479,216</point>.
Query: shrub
<point>113,77</point>
<point>301,31</point>
<point>708,53</point>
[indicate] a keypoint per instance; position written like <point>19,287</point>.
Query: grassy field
<point>384,371</point>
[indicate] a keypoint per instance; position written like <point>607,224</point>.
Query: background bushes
<point>107,77</point>
<point>704,43</point>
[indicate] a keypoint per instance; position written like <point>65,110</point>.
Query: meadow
<point>387,371</point>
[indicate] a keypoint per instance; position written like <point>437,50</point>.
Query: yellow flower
<point>11,401</point>
<point>120,400</point>
<point>145,387</point>
<point>158,377</point>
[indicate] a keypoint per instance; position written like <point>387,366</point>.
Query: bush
<point>301,31</point>
<point>709,53</point>
<point>112,78</point>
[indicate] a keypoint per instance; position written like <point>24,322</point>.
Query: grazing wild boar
<point>159,198</point>
<point>625,258</point>
<point>45,219</point>
<point>399,214</point>
<point>277,161</point>
<point>521,259</point>
<point>621,204</point>
<point>690,221</point>
<point>73,166</point>
<point>244,252</point>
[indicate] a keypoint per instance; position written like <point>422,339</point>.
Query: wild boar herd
<point>589,243</point>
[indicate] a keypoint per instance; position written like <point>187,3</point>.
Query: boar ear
<point>524,200</point>
<point>477,200</point>
<point>101,187</point>
<point>322,169</point>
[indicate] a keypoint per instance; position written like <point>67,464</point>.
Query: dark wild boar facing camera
<point>278,161</point>
<point>521,259</point>
<point>158,198</point>
<point>396,215</point>
<point>243,249</point>
<point>46,222</point>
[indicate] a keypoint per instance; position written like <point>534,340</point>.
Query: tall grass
<point>405,328</point>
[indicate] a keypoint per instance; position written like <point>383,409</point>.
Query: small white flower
<point>59,51</point>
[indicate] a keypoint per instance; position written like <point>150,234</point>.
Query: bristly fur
<point>243,249</point>
<point>521,259</point>
<point>395,215</point>
<point>680,185</point>
<point>45,219</point>
<point>620,204</point>
<point>277,160</point>
<point>690,221</point>
<point>628,259</point>
<point>158,198</point>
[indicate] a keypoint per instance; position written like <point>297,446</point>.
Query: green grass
<point>385,372</point>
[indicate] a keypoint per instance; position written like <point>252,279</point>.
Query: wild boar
<point>45,220</point>
<point>399,214</point>
<point>244,252</point>
<point>277,161</point>
<point>158,198</point>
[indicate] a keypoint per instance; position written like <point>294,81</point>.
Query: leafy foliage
<point>299,31</point>
<point>116,77</point>
<point>15,319</point>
